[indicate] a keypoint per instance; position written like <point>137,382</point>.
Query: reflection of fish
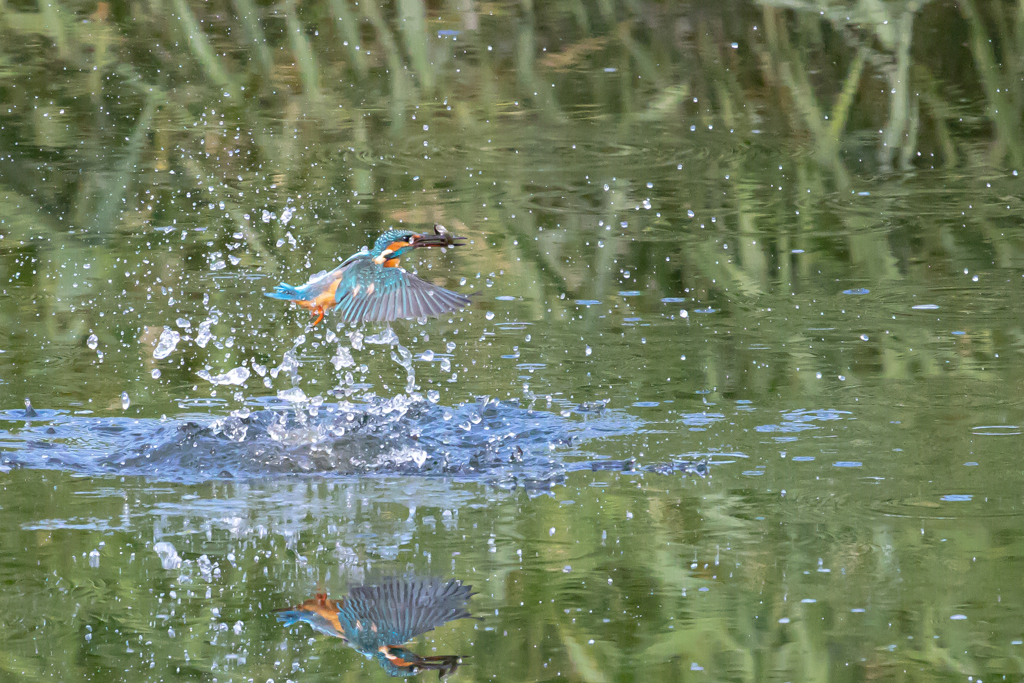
<point>369,287</point>
<point>377,620</point>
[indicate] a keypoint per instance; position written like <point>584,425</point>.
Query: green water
<point>783,239</point>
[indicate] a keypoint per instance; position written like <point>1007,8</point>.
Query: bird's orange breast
<point>325,608</point>
<point>325,299</point>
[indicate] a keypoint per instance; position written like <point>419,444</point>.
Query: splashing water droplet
<point>204,335</point>
<point>386,337</point>
<point>294,395</point>
<point>94,558</point>
<point>588,351</point>
<point>236,376</point>
<point>155,374</point>
<point>427,355</point>
<point>169,557</point>
<point>489,315</point>
<point>93,341</point>
<point>165,346</point>
<point>342,359</point>
<point>126,400</point>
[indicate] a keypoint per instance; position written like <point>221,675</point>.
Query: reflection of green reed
<point>318,99</point>
<point>634,583</point>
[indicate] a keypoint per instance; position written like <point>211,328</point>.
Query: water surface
<point>738,395</point>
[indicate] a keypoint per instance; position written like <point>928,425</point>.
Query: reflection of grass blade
<point>525,46</point>
<point>841,110</point>
<point>52,18</point>
<point>118,188</point>
<point>202,50</point>
<point>413,24</point>
<point>938,110</point>
<point>349,27</point>
<point>666,105</point>
<point>395,67</point>
<point>249,15</point>
<point>897,133</point>
<point>1000,106</point>
<point>584,664</point>
<point>303,52</point>
<point>788,67</point>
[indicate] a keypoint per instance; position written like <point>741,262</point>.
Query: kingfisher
<point>376,620</point>
<point>369,286</point>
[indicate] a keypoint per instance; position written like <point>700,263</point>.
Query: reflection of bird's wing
<point>401,609</point>
<point>372,293</point>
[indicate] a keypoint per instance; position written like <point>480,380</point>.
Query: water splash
<point>204,335</point>
<point>500,442</point>
<point>165,346</point>
<point>235,376</point>
<point>169,557</point>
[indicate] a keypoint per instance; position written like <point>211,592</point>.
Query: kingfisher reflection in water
<point>377,620</point>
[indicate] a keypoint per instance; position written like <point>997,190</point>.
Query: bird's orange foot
<point>318,313</point>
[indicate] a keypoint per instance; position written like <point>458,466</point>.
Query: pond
<point>737,396</point>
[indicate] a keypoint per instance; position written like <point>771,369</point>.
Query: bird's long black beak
<point>440,238</point>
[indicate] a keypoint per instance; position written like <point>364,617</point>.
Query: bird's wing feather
<point>394,294</point>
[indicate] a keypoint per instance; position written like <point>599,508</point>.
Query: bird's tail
<point>285,292</point>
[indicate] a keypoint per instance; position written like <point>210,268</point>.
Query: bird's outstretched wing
<point>407,607</point>
<point>371,293</point>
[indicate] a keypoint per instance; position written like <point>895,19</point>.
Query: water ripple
<point>996,430</point>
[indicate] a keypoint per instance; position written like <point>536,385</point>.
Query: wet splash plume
<point>500,442</point>
<point>401,435</point>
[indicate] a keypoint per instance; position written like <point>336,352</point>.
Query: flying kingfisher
<point>376,620</point>
<point>369,286</point>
